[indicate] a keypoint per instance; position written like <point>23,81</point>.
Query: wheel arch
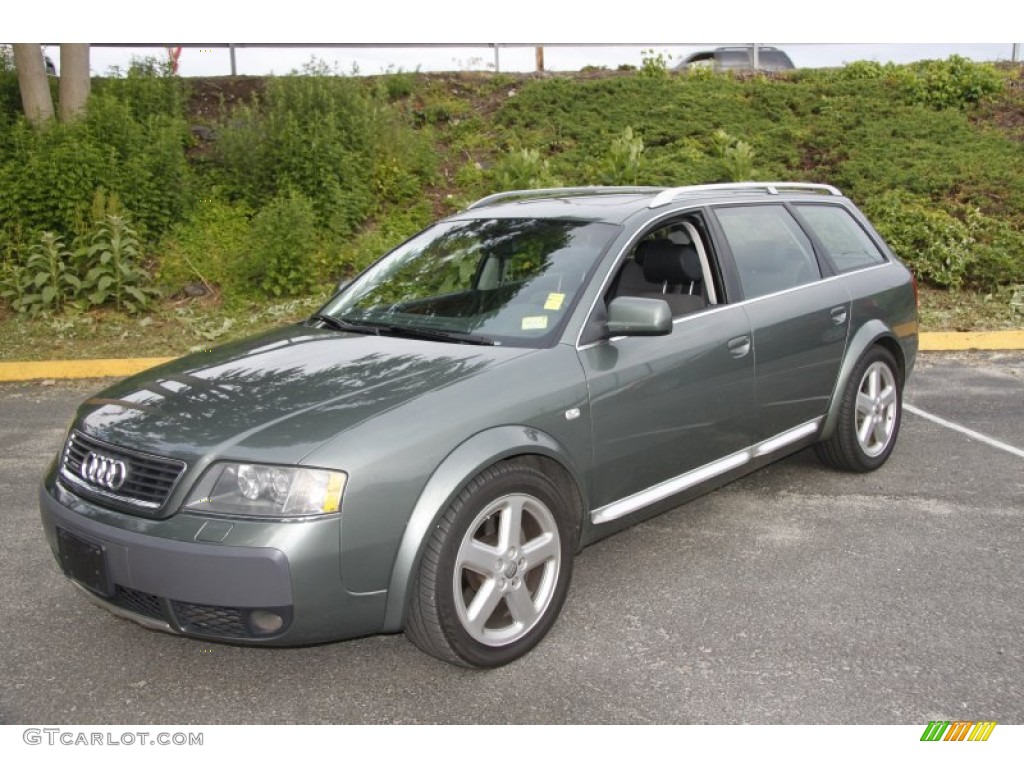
<point>873,333</point>
<point>484,449</point>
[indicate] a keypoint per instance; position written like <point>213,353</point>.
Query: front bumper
<point>259,582</point>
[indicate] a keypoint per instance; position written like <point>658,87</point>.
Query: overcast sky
<point>898,31</point>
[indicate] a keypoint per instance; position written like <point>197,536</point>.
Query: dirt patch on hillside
<point>209,95</point>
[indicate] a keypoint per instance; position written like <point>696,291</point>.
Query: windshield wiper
<point>377,329</point>
<point>432,334</point>
<point>346,325</point>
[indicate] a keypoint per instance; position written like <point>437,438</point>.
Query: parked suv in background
<point>739,57</point>
<point>430,450</point>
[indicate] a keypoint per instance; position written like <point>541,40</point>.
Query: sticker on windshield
<point>554,302</point>
<point>535,323</point>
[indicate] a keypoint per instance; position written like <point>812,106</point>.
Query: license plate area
<point>84,562</point>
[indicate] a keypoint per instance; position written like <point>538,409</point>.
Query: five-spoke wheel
<point>869,415</point>
<point>496,569</point>
<point>876,410</point>
<point>506,569</point>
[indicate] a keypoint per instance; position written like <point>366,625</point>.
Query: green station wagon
<point>428,452</point>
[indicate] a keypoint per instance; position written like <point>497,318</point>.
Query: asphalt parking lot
<point>796,595</point>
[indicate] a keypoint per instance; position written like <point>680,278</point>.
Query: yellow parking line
<point>76,369</point>
<point>952,341</point>
<point>934,341</point>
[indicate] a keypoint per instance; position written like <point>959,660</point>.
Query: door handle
<point>739,346</point>
<point>839,315</point>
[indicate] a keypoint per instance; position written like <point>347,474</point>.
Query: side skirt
<point>694,477</point>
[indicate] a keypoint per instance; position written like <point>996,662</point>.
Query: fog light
<point>265,622</point>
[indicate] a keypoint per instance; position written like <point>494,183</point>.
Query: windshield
<point>502,281</point>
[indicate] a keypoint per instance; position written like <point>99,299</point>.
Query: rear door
<point>798,316</point>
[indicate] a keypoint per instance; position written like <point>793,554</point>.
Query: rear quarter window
<point>846,242</point>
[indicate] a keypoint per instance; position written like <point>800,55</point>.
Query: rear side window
<point>846,242</point>
<point>771,252</point>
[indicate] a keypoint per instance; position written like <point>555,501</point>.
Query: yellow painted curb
<point>76,369</point>
<point>953,341</point>
<point>935,341</point>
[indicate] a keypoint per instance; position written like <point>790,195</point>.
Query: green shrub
<point>949,249</point>
<point>954,83</point>
<point>399,85</point>
<point>863,70</point>
<point>282,258</point>
<point>936,245</point>
<point>117,275</point>
<point>209,248</point>
<point>49,177</point>
<point>149,88</point>
<point>10,95</point>
<point>334,139</point>
<point>522,169</point>
<point>621,163</point>
<point>737,156</point>
<point>998,252</point>
<point>47,280</point>
<point>653,64</point>
<point>102,269</point>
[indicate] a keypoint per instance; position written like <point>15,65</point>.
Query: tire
<point>869,415</point>
<point>495,570</point>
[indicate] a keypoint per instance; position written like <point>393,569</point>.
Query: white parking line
<point>964,430</point>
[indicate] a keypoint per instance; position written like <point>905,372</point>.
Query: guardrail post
<point>231,50</point>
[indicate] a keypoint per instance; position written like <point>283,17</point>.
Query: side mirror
<point>343,284</point>
<point>633,316</point>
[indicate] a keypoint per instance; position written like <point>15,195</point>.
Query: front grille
<point>148,480</point>
<point>138,602</point>
<point>211,619</point>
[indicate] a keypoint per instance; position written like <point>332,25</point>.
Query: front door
<point>664,406</point>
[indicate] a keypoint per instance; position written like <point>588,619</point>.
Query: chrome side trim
<point>773,444</point>
<point>687,480</point>
<point>668,488</point>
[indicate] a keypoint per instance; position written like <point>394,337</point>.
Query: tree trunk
<point>74,80</point>
<point>33,83</point>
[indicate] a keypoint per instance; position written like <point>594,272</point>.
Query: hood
<point>277,396</point>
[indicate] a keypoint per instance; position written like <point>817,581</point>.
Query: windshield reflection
<point>510,280</point>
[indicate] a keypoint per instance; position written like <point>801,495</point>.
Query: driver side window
<point>668,263</point>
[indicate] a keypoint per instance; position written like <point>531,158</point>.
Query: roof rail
<point>771,187</point>
<point>555,192</point>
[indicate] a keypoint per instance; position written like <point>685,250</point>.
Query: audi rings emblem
<point>104,471</point>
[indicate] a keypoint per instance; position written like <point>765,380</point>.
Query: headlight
<point>267,491</point>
